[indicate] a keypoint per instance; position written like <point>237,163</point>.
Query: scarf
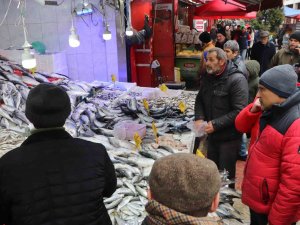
<point>162,215</point>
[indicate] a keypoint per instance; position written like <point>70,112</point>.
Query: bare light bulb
<point>106,34</point>
<point>129,31</point>
<point>74,41</point>
<point>28,59</point>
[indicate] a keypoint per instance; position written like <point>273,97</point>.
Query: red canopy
<point>217,9</point>
<point>255,5</point>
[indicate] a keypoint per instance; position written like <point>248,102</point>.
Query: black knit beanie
<point>205,37</point>
<point>47,106</point>
<point>281,80</point>
<point>221,31</point>
<point>295,35</point>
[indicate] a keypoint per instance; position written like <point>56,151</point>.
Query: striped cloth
<point>162,215</point>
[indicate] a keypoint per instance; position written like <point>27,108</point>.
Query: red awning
<point>255,5</point>
<point>218,9</point>
<point>251,15</point>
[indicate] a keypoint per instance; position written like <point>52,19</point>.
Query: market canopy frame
<point>218,9</point>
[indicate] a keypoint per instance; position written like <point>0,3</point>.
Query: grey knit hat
<point>185,182</point>
<point>281,80</point>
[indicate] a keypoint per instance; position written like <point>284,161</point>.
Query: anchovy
<point>113,204</point>
<point>130,186</point>
<point>124,202</point>
<point>141,191</point>
<point>113,198</point>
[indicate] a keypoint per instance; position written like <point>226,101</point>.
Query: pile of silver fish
<point>96,108</point>
<point>9,140</point>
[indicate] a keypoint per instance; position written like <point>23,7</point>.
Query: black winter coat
<point>220,99</point>
<point>54,179</point>
<point>241,65</point>
<point>263,55</point>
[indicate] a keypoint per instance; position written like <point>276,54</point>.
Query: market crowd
<point>53,178</point>
<point>259,97</point>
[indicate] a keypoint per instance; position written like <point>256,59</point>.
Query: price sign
<point>163,88</point>
<point>146,105</point>
<point>155,132</point>
<point>182,106</point>
<point>137,140</point>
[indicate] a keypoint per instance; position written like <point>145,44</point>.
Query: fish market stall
<point>137,125</point>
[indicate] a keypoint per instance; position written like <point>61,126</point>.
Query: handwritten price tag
<point>146,105</point>
<point>137,140</point>
<point>163,88</point>
<point>182,106</point>
<point>199,153</point>
<point>33,70</point>
<point>155,132</point>
<point>113,78</point>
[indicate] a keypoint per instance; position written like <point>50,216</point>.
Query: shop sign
<point>189,65</point>
<point>166,6</point>
<point>199,25</point>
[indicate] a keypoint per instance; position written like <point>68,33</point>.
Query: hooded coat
<point>253,68</point>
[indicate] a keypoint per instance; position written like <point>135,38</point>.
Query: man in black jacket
<point>53,178</point>
<point>263,52</point>
<point>223,94</point>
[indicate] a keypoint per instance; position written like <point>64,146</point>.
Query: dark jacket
<point>243,40</point>
<point>220,99</point>
<point>285,56</point>
<point>53,178</point>
<point>221,45</point>
<point>241,64</point>
<point>263,54</point>
<point>272,172</point>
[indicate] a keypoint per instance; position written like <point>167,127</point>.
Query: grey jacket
<point>220,99</point>
<point>241,64</point>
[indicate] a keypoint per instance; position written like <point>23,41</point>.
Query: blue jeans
<point>243,54</point>
<point>244,150</point>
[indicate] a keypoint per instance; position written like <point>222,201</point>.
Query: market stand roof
<point>218,9</point>
<point>289,12</point>
<point>256,5</point>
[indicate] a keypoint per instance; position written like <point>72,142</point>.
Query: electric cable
<point>5,15</point>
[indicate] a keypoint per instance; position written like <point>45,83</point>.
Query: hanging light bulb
<point>74,41</point>
<point>106,34</point>
<point>129,31</point>
<point>28,59</point>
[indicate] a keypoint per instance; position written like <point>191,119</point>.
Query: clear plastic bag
<point>198,130</point>
<point>125,130</point>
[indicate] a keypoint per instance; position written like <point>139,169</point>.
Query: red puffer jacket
<point>248,122</point>
<point>271,182</point>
